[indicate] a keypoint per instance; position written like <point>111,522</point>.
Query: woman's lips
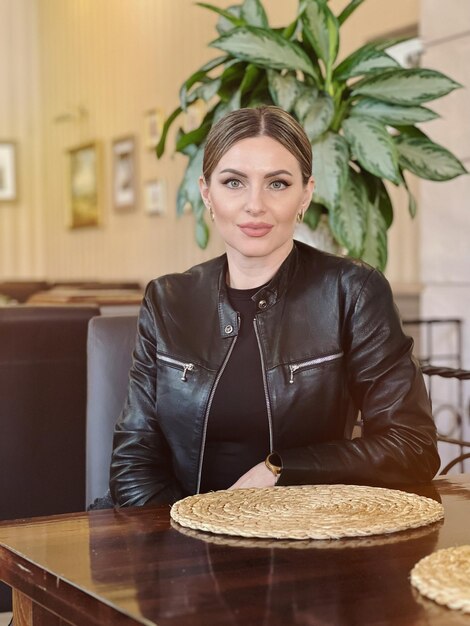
<point>255,229</point>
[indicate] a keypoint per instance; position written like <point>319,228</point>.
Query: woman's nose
<point>254,202</point>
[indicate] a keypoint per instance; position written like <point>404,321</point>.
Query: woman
<point>249,369</point>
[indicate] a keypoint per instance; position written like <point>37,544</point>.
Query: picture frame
<point>85,185</point>
<point>8,173</point>
<point>155,197</point>
<point>153,127</point>
<point>124,174</point>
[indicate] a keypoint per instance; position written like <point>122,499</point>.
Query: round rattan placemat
<point>306,512</point>
<point>444,576</point>
<point>346,543</point>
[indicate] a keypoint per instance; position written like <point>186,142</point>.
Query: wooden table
<point>131,567</point>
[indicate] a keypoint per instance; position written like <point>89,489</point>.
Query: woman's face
<point>256,192</point>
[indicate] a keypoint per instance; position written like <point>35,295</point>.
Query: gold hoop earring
<point>300,216</point>
<point>211,212</point>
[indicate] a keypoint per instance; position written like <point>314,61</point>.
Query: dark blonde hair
<point>268,121</point>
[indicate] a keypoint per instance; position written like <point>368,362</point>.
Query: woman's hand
<point>257,476</point>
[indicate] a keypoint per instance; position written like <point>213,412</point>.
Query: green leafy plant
<point>360,115</point>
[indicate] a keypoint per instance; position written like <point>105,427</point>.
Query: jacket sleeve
<point>399,436</point>
<point>141,465</point>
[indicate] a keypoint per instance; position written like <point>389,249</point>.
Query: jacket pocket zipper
<point>293,369</point>
<point>186,367</point>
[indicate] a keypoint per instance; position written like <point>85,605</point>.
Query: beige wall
<point>117,59</point>
<point>445,224</point>
<point>21,233</point>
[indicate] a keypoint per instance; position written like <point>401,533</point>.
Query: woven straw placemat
<point>306,512</point>
<point>444,576</point>
<point>346,543</point>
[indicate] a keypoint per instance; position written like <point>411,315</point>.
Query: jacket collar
<point>265,298</point>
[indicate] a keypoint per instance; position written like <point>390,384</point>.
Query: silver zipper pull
<point>292,369</point>
<point>188,367</point>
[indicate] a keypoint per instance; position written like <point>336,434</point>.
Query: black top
<point>237,430</point>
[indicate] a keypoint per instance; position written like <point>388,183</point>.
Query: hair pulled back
<point>268,121</point>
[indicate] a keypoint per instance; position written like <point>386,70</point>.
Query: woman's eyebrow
<point>229,170</point>
<point>278,173</point>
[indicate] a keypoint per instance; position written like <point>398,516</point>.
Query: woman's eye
<point>278,184</point>
<point>233,183</point>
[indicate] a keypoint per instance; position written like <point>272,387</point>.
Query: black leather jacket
<point>331,343</point>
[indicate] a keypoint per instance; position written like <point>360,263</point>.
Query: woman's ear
<point>308,193</point>
<point>204,189</point>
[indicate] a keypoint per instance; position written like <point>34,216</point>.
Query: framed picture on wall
<point>85,185</point>
<point>124,174</point>
<point>153,126</point>
<point>8,185</point>
<point>155,197</point>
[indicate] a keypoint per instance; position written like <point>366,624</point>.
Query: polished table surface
<point>130,566</point>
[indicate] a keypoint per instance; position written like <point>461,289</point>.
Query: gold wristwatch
<point>274,464</point>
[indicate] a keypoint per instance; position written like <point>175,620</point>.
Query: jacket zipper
<point>268,403</point>
<point>208,408</point>
<point>186,367</point>
<point>300,366</point>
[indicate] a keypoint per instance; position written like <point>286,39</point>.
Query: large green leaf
<point>372,146</point>
<point>427,159</point>
<point>304,101</point>
<point>199,76</point>
<point>230,15</point>
<point>284,90</point>
<point>225,24</point>
<point>406,86</point>
<point>384,203</point>
<point>411,131</point>
<point>231,78</point>
<point>206,91</point>
<point>392,113</point>
<point>260,95</point>
<point>348,9</point>
<point>188,150</point>
<point>412,206</point>
<point>378,194</point>
<point>348,219</point>
<point>290,30</point>
<point>375,240</point>
<point>364,61</point>
<point>195,136</point>
<point>266,49</point>
<point>188,191</point>
<point>322,30</point>
<point>251,75</point>
<point>330,168</point>
<point>315,110</point>
<point>166,127</point>
<point>254,14</point>
<point>223,108</point>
